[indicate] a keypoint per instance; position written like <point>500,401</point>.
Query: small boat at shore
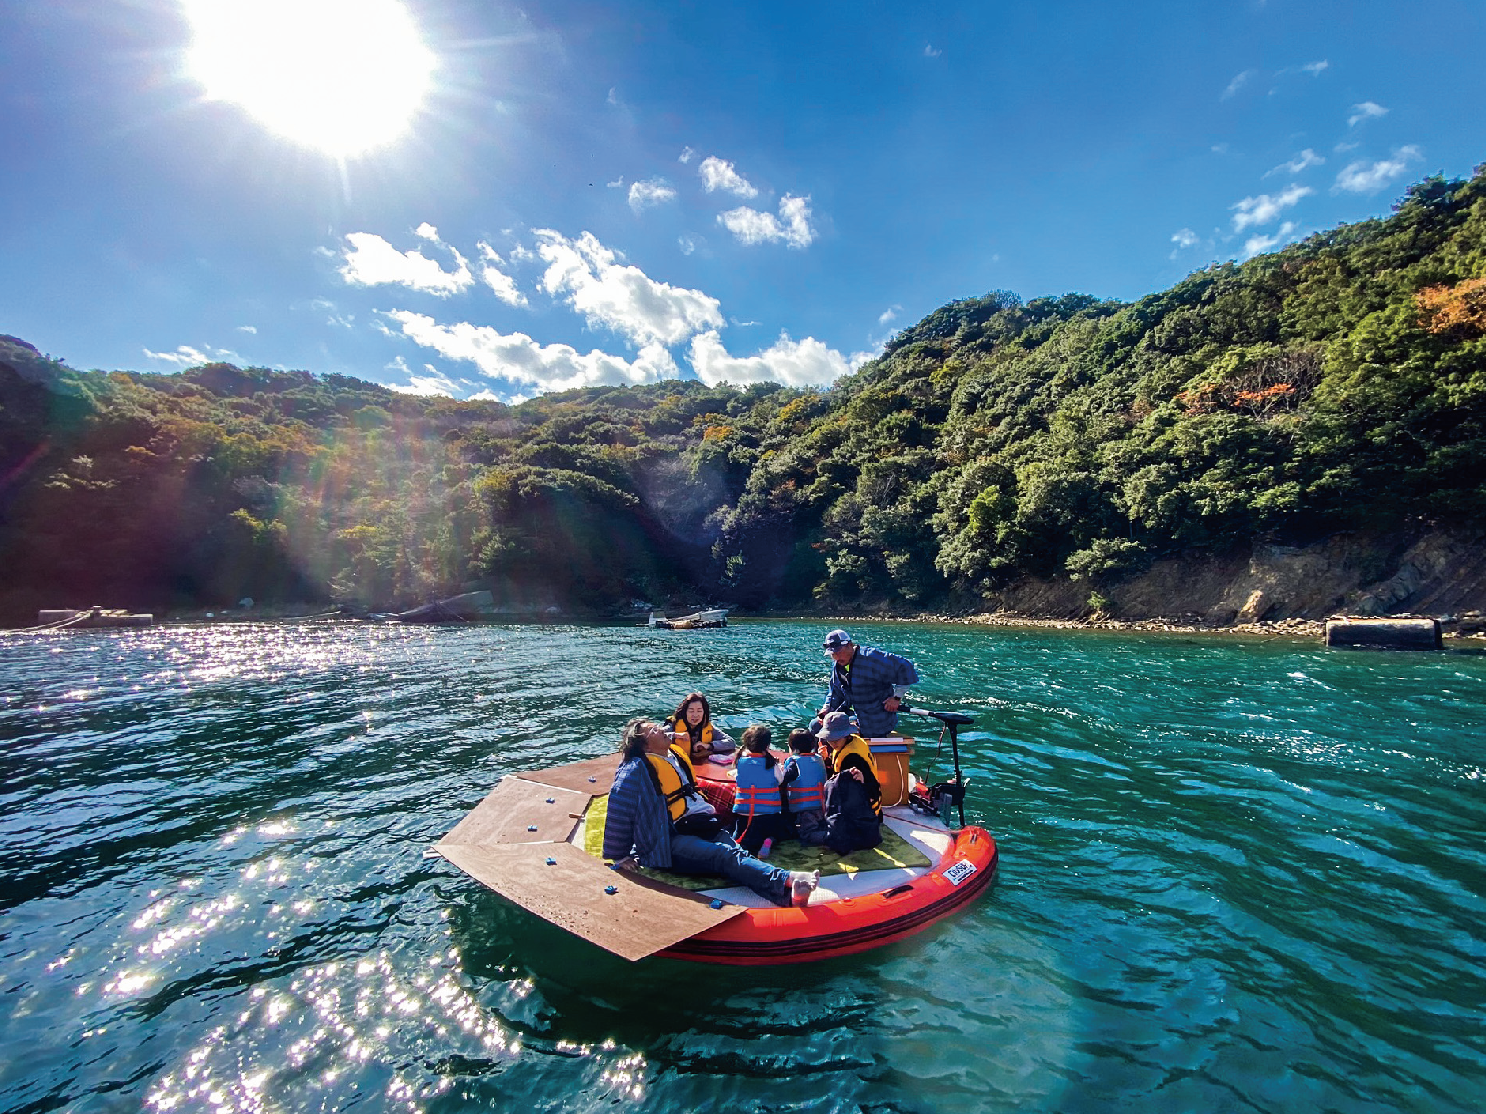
<point>697,620</point>
<point>534,841</point>
<point>89,618</point>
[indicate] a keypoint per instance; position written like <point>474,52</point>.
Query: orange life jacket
<point>681,727</point>
<point>673,787</point>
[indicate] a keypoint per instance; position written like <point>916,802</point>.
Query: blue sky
<point>605,193</point>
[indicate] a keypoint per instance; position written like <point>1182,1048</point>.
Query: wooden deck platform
<point>515,841</point>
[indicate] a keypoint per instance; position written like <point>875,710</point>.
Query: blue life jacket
<point>808,791</point>
<point>758,791</point>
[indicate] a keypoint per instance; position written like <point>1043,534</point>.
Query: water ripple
<point>1234,877</point>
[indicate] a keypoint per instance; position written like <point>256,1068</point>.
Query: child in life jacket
<point>804,781</point>
<point>758,810</point>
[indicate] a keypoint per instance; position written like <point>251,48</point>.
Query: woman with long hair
<point>693,718</point>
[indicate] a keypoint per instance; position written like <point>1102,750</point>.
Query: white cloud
<point>426,231</point>
<point>752,227</point>
<point>930,52</point>
<point>1237,83</point>
<point>1185,239</point>
<point>425,385</point>
<point>372,261</point>
<point>519,359</point>
<point>1264,208</point>
<point>333,316</point>
<point>687,154</point>
<point>502,285</point>
<point>1302,161</point>
<point>1365,111</point>
<point>183,356</point>
<point>248,329</point>
<point>804,363</point>
<point>888,314</point>
<point>613,97</point>
<point>432,382</point>
<point>616,184</point>
<point>652,191</point>
<point>186,356</point>
<point>1369,177</point>
<point>1315,68</point>
<point>1283,235</point>
<point>620,297</point>
<point>686,244</point>
<point>718,174</point>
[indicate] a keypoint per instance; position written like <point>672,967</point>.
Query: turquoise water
<point>1235,876</point>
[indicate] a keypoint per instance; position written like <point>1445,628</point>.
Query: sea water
<point>1235,876</point>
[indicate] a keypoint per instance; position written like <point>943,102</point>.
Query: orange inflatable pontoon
<point>526,841</point>
<point>841,923</point>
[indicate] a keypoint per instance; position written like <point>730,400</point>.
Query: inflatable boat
<point>535,838</point>
<point>528,842</point>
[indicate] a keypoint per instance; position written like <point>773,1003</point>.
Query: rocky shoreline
<point>1283,628</point>
<point>1469,632</point>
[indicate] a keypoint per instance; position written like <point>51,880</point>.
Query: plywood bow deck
<point>516,842</point>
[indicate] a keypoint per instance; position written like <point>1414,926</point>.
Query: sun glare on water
<point>342,76</point>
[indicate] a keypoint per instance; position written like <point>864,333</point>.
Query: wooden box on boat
<point>893,755</point>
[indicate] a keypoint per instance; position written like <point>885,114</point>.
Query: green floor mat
<point>894,851</point>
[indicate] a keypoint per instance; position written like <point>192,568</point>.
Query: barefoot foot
<point>801,886</point>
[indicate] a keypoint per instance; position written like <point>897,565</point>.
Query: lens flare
<point>341,76</point>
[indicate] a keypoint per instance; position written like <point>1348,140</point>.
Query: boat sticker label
<point>959,872</point>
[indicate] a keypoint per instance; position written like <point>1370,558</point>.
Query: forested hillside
<point>1338,384</point>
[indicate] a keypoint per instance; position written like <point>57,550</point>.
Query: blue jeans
<point>693,855</point>
<point>810,824</point>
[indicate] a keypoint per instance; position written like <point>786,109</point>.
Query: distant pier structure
<point>90,618</point>
<point>1384,634</point>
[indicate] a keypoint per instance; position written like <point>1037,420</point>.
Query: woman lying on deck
<point>658,819</point>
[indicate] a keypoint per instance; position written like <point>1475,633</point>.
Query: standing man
<point>870,682</point>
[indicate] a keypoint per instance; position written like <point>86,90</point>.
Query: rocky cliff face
<point>1435,573</point>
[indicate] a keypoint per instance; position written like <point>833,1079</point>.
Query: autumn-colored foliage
<point>1336,384</point>
<point>1458,310</point>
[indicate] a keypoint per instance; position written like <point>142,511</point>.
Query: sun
<point>341,76</point>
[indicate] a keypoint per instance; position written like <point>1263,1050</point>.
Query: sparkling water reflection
<point>1234,876</point>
